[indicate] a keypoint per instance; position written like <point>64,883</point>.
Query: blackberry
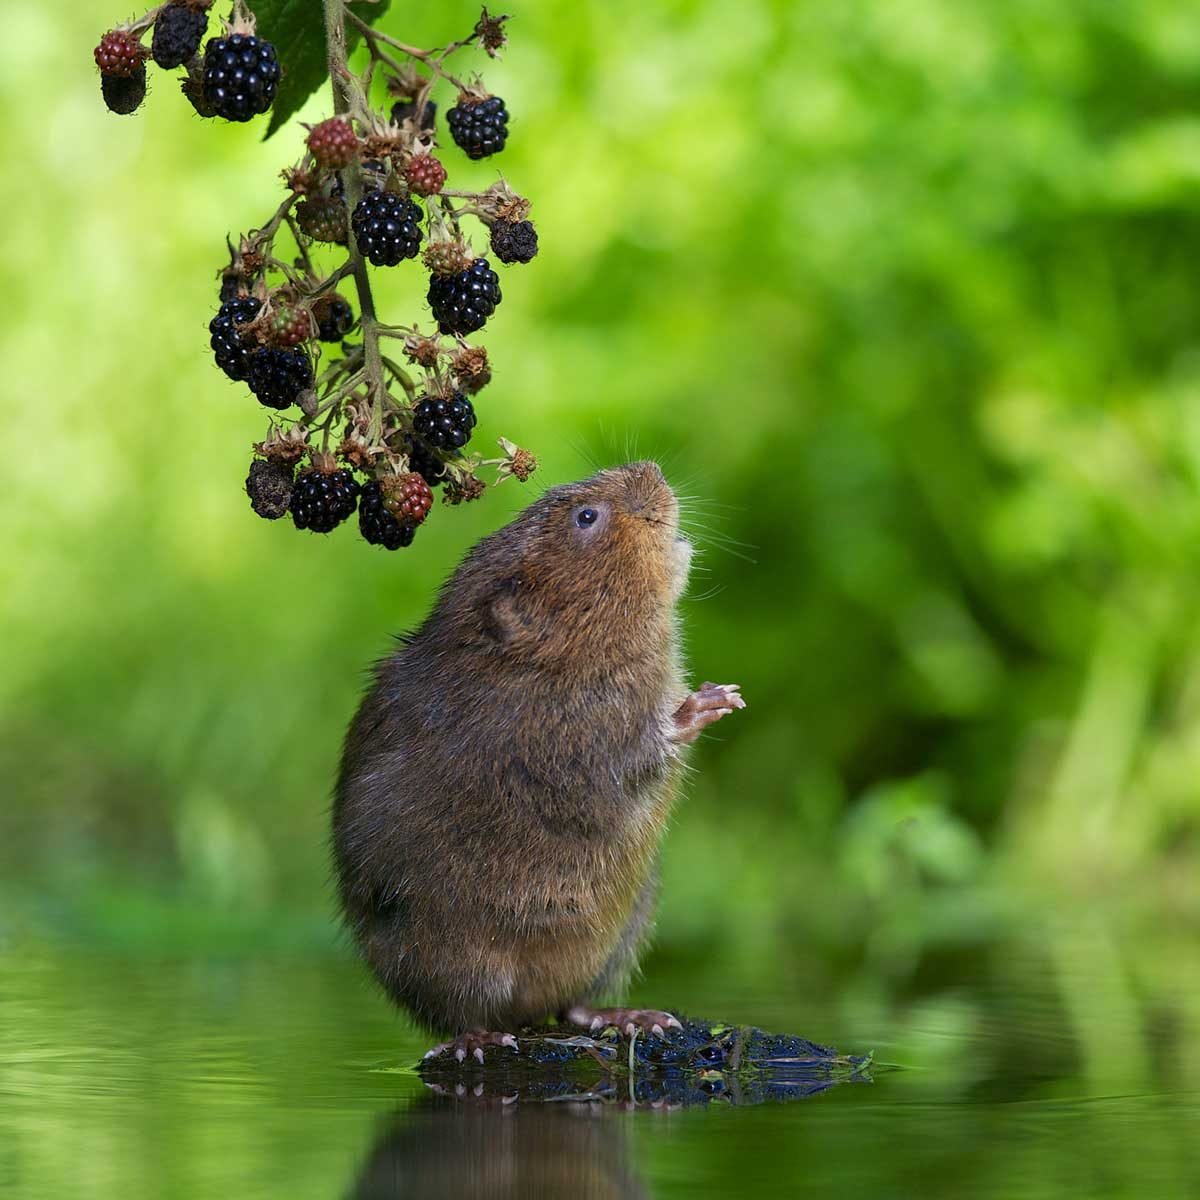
<point>514,241</point>
<point>178,32</point>
<point>241,73</point>
<point>290,325</point>
<point>462,302</point>
<point>386,228</point>
<point>123,94</point>
<point>403,110</point>
<point>334,318</point>
<point>232,354</point>
<point>479,127</point>
<point>322,500</point>
<point>269,486</point>
<point>425,461</point>
<point>192,86</point>
<point>407,497</point>
<point>119,53</point>
<point>444,424</point>
<point>333,143</point>
<point>424,175</point>
<point>377,525</point>
<point>323,218</point>
<point>277,377</point>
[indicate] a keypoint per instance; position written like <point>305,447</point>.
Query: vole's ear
<point>504,615</point>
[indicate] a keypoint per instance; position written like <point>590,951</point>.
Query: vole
<point>505,784</point>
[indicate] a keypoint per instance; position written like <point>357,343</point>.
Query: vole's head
<point>591,568</point>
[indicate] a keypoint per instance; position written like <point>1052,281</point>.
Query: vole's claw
<point>703,707</point>
<point>629,1021</point>
<point>473,1042</point>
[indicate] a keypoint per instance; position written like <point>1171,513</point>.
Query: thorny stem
<point>339,74</point>
<point>431,58</point>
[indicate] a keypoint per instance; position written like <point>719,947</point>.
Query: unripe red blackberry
<point>241,74</point>
<point>407,497</point>
<point>178,32</point>
<point>120,53</point>
<point>333,143</point>
<point>424,174</point>
<point>442,423</point>
<point>333,316</point>
<point>290,325</point>
<point>478,124</point>
<point>277,377</point>
<point>123,94</point>
<point>323,499</point>
<point>514,241</point>
<point>323,218</point>
<point>403,111</point>
<point>386,228</point>
<point>269,486</point>
<point>230,351</point>
<point>462,302</point>
<point>377,525</point>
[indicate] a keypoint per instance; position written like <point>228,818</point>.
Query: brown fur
<point>506,781</point>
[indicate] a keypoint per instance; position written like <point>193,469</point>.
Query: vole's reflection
<point>483,1148</point>
<point>546,1138</point>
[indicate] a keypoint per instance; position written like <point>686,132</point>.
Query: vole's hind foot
<point>628,1020</point>
<point>472,1042</point>
<point>705,707</point>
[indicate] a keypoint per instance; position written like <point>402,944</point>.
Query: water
<point>1062,1064</point>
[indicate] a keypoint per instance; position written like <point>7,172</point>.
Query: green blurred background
<point>903,295</point>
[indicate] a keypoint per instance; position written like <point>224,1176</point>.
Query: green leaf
<point>297,29</point>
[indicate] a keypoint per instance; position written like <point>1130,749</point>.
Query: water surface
<point>1060,1065</point>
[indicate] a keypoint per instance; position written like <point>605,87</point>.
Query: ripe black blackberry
<point>322,500</point>
<point>241,73</point>
<point>462,302</point>
<point>269,486</point>
<point>377,525</point>
<point>403,110</point>
<point>178,32</point>
<point>444,424</point>
<point>424,461</point>
<point>230,351</point>
<point>334,316</point>
<point>514,241</point>
<point>386,228</point>
<point>277,377</point>
<point>478,125</point>
<point>123,94</point>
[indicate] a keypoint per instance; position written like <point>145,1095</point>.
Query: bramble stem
<point>340,77</point>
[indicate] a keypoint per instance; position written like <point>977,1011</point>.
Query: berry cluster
<point>236,77</point>
<point>353,428</point>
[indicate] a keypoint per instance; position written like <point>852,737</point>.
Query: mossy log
<point>698,1064</point>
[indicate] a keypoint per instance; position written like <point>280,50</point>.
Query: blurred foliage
<point>904,298</point>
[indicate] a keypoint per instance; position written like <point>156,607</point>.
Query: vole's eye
<point>585,517</point>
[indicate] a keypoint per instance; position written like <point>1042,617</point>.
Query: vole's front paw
<point>472,1042</point>
<point>705,707</point>
<point>627,1020</point>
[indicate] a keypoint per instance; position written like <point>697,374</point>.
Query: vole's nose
<point>648,488</point>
